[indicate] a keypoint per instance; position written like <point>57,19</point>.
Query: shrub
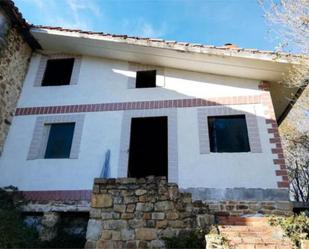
<point>295,227</point>
<point>13,232</point>
<point>193,239</point>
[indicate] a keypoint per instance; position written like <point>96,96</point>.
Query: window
<point>58,72</point>
<point>59,140</point>
<point>146,79</point>
<point>228,134</point>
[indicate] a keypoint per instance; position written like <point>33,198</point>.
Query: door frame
<point>172,144</point>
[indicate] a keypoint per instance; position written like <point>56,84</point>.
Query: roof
<point>19,22</point>
<point>171,43</point>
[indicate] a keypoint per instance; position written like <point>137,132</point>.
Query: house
<point>100,105</point>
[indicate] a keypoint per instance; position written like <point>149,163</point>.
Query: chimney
<point>230,45</point>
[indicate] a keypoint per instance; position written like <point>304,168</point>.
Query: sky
<point>212,22</point>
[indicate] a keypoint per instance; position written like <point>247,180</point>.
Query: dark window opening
<point>60,140</point>
<point>58,72</point>
<point>148,147</point>
<point>146,79</point>
<point>228,134</point>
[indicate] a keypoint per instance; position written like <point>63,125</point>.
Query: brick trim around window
<point>134,67</point>
<point>40,134</point>
<point>43,62</point>
<point>252,126</point>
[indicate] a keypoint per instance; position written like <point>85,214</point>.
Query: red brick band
<point>140,105</point>
<point>61,195</point>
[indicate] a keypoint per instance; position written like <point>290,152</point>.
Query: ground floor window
<point>59,140</point>
<point>228,133</point>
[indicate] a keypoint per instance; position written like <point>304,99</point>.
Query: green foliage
<point>194,239</point>
<point>13,232</point>
<point>295,227</point>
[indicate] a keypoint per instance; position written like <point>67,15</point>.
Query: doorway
<point>148,153</point>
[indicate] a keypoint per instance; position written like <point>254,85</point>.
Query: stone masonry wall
<point>139,213</point>
<point>251,208</point>
<point>15,54</point>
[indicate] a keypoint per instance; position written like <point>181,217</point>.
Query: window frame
<point>135,67</point>
<point>48,82</point>
<point>215,145</point>
<point>41,133</point>
<point>48,146</point>
<point>42,68</point>
<point>251,120</point>
<point>139,73</point>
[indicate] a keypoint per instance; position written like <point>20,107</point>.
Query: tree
<point>289,22</point>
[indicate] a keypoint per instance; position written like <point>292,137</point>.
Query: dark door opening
<point>148,147</point>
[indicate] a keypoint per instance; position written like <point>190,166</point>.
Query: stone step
<point>261,246</point>
<point>243,221</point>
<point>249,228</point>
<point>252,233</point>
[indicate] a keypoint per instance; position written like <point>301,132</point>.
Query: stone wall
<point>14,58</point>
<point>139,213</point>
<point>250,208</point>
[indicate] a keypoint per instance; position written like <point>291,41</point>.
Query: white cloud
<point>68,13</point>
<point>142,28</point>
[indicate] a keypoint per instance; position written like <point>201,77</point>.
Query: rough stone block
<point>172,215</point>
<point>146,234</point>
<point>176,223</point>
<point>101,200</point>
<point>126,180</point>
<point>131,245</point>
<point>94,229</point>
<point>136,223</point>
<point>127,234</point>
<point>130,199</point>
<point>168,232</point>
<point>143,245</point>
<point>161,224</point>
<point>150,223</point>
<point>147,216</point>
<point>157,244</point>
<point>116,235</point>
<point>144,207</point>
<point>127,216</point>
<point>114,224</point>
<point>110,244</point>
<point>158,216</point>
<point>164,206</point>
<point>140,192</point>
<point>106,235</point>
<point>95,213</point>
<point>119,208</point>
<point>130,208</point>
<point>90,244</point>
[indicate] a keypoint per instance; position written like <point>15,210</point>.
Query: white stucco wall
<point>103,81</point>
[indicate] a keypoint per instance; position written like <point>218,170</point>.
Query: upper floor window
<point>146,79</point>
<point>228,134</point>
<point>58,72</point>
<point>59,141</point>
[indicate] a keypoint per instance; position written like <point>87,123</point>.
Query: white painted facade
<point>106,81</point>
